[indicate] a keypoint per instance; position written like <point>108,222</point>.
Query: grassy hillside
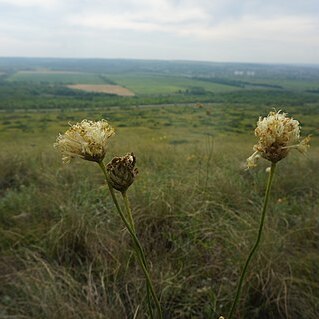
<point>148,84</point>
<point>64,250</point>
<point>56,77</point>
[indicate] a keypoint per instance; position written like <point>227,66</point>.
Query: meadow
<point>146,84</point>
<point>102,88</point>
<point>56,77</point>
<point>66,254</point>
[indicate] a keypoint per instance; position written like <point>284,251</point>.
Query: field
<point>142,84</point>
<point>102,88</point>
<point>147,84</point>
<point>56,77</point>
<point>64,250</point>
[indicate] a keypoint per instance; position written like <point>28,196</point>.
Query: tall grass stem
<point>141,258</point>
<point>254,248</point>
<point>128,210</point>
<point>139,250</point>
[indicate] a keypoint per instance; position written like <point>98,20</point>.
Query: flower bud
<point>121,172</point>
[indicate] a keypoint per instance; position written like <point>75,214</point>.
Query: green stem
<point>110,188</point>
<point>139,253</point>
<point>253,250</point>
<point>141,258</point>
<point>128,210</point>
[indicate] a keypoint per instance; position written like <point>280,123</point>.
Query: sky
<point>258,31</point>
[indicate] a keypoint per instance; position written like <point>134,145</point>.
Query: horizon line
<point>161,60</point>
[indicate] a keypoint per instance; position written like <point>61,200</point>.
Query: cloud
<point>207,19</point>
<point>147,22</point>
<point>29,3</point>
<point>250,27</point>
<point>136,14</point>
<point>198,24</point>
<point>182,29</point>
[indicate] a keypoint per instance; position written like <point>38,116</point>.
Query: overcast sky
<point>271,31</point>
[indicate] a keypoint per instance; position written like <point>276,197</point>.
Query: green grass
<point>142,84</point>
<point>67,77</point>
<point>40,90</point>
<point>178,122</point>
<point>148,84</point>
<point>290,84</point>
<point>64,253</point>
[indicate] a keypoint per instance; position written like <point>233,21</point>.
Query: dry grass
<point>103,88</point>
<point>69,256</point>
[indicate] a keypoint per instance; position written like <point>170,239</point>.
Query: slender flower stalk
<point>88,140</point>
<point>138,247</point>
<point>254,248</point>
<point>142,257</point>
<point>128,209</point>
<point>277,134</point>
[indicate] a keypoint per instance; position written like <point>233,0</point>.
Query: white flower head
<point>277,134</point>
<point>87,140</point>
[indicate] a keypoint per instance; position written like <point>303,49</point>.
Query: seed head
<point>121,172</point>
<point>277,134</point>
<point>87,140</point>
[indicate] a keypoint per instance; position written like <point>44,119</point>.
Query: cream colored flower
<point>87,140</point>
<point>303,146</point>
<point>277,134</point>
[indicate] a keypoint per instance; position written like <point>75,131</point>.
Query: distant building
<point>248,73</point>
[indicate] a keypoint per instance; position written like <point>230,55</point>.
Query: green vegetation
<point>148,84</point>
<point>41,83</point>
<point>58,77</point>
<point>189,120</point>
<point>64,253</point>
